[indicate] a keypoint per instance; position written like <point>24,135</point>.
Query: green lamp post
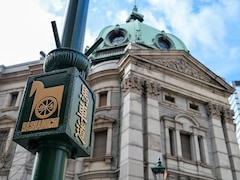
<point>158,171</point>
<point>55,120</point>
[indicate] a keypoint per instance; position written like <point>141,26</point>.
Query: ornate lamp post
<point>158,170</point>
<point>56,115</point>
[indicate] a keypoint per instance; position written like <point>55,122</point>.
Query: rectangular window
<point>13,100</point>
<point>103,99</point>
<point>186,145</point>
<point>194,106</point>
<point>171,138</point>
<point>100,143</point>
<point>3,139</point>
<point>169,98</point>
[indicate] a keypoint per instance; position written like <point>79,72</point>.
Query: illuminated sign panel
<point>58,106</point>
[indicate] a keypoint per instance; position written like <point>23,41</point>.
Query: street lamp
<point>158,170</point>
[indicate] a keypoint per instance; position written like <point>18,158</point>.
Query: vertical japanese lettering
<point>82,114</point>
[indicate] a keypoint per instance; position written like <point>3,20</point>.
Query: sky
<point>210,29</point>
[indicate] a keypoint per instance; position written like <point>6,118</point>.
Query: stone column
<point>97,100</point>
<point>220,153</point>
<point>231,142</point>
<point>19,97</point>
<point>206,156</point>
<point>168,145</point>
<point>178,142</point>
<point>109,142</point>
<point>153,146</point>
<point>131,152</point>
<point>109,98</point>
<point>196,153</point>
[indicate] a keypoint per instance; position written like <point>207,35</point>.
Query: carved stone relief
<point>213,110</point>
<point>183,67</point>
<point>152,89</point>
<point>140,86</point>
<point>228,115</point>
<point>220,112</point>
<point>179,65</point>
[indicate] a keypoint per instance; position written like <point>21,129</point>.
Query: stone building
<point>153,100</point>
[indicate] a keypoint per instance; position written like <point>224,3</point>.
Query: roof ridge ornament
<point>135,15</point>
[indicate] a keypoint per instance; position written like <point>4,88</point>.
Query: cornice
<point>179,64</point>
<point>20,71</point>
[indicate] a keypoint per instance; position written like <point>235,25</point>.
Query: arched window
<point>185,139</point>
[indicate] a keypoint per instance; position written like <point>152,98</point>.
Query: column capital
<point>213,110</point>
<point>133,83</point>
<point>228,115</point>
<point>152,89</point>
<point>141,85</point>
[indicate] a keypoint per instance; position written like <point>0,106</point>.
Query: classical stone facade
<point>151,102</point>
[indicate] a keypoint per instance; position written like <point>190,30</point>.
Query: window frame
<point>102,123</point>
<point>178,126</point>
<point>187,138</point>
<point>100,104</point>
<point>116,33</point>
<point>95,153</point>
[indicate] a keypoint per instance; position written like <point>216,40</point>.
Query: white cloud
<point>90,38</point>
<point>25,32</point>
<point>122,16</point>
<point>209,28</point>
<point>157,22</point>
<point>193,28</point>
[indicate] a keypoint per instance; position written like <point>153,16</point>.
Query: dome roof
<point>134,31</point>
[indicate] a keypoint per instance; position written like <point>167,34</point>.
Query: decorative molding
<point>228,115</point>
<point>132,83</point>
<point>141,86</point>
<point>223,113</point>
<point>182,66</point>
<point>177,64</point>
<point>213,110</point>
<point>151,88</point>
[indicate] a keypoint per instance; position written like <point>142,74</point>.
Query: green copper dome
<point>116,38</point>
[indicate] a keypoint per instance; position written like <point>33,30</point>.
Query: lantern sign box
<point>57,106</point>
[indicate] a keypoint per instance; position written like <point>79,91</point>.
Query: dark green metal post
<point>51,161</point>
<point>52,156</point>
<point>51,121</point>
<point>75,25</point>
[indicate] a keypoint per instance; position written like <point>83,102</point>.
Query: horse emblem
<point>46,100</point>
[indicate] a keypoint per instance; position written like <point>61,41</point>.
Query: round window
<point>163,44</point>
<point>117,37</point>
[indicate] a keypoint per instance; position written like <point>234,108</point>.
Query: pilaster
<point>231,142</point>
<point>153,149</point>
<point>168,146</point>
<point>178,142</point>
<point>131,153</point>
<point>221,160</point>
<point>140,119</point>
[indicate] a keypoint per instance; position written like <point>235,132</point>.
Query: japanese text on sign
<point>82,114</point>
